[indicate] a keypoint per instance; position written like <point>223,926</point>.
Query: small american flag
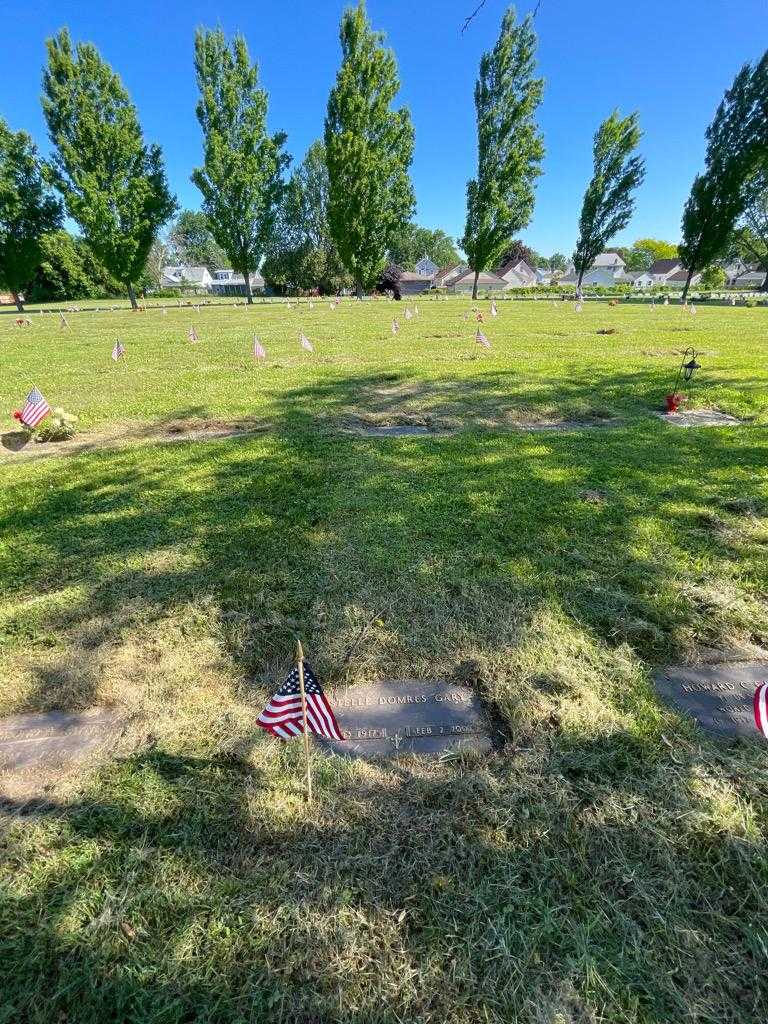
<point>311,305</point>
<point>283,717</point>
<point>761,708</point>
<point>35,409</point>
<point>481,339</point>
<point>494,311</point>
<point>415,310</point>
<point>118,350</point>
<point>395,326</point>
<point>305,343</point>
<point>192,334</point>
<point>693,310</point>
<point>408,314</point>
<point>63,320</point>
<point>259,352</point>
<point>578,307</point>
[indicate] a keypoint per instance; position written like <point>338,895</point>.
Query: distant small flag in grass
<point>305,343</point>
<point>408,314</point>
<point>494,311</point>
<point>395,327</point>
<point>283,715</point>
<point>693,310</point>
<point>578,307</point>
<point>415,310</point>
<point>761,708</point>
<point>466,315</point>
<point>481,339</point>
<point>63,320</point>
<point>259,352</point>
<point>35,409</point>
<point>311,305</point>
<point>666,301</point>
<point>165,311</point>
<point>118,350</point>
<point>192,334</point>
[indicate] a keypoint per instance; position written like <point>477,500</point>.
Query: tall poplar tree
<point>27,211</point>
<point>113,184</point>
<point>737,150</point>
<point>369,148</point>
<point>241,177</point>
<point>609,199</point>
<point>510,147</point>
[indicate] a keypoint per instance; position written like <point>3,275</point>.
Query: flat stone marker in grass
<point>408,717</point>
<point>397,431</point>
<point>698,418</point>
<point>35,749</point>
<point>718,696</point>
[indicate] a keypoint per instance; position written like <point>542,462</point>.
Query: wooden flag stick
<point>300,661</point>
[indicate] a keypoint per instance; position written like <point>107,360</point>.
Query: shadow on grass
<point>562,884</point>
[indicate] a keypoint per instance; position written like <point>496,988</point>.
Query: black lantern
<point>690,368</point>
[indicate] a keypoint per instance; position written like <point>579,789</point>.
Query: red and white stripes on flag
<point>481,339</point>
<point>259,352</point>
<point>192,334</point>
<point>35,409</point>
<point>305,343</point>
<point>761,708</point>
<point>118,350</point>
<point>395,326</point>
<point>283,715</point>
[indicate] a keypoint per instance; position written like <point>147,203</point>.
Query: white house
<point>447,275</point>
<point>486,282</point>
<point>426,267</point>
<point>517,274</point>
<point>609,261</point>
<point>186,277</point>
<point>230,282</point>
<point>750,278</point>
<point>662,270</point>
<point>639,279</point>
<point>734,270</point>
<point>411,283</point>
<point>607,269</point>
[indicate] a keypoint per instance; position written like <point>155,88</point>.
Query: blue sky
<point>671,61</point>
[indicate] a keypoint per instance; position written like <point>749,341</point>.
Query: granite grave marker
<point>408,717</point>
<point>718,696</point>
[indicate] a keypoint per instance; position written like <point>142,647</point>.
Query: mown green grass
<point>608,865</point>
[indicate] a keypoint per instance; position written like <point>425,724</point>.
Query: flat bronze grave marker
<point>37,748</point>
<point>719,697</point>
<point>408,717</point>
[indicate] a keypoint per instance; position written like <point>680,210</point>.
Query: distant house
<point>752,277</point>
<point>733,271</point>
<point>229,282</point>
<point>543,277</point>
<point>426,267</point>
<point>446,275</point>
<point>678,279</point>
<point>609,261</point>
<point>486,282</point>
<point>413,283</point>
<point>198,278</point>
<point>607,269</point>
<point>662,270</point>
<point>517,274</point>
<point>640,279</point>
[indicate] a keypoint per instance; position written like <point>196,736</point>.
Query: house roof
<point>410,275</point>
<point>520,267</point>
<point>681,275</point>
<point>191,275</point>
<point>484,277</point>
<point>444,272</point>
<point>664,266</point>
<point>608,259</point>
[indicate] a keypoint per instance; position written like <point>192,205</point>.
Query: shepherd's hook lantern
<point>688,367</point>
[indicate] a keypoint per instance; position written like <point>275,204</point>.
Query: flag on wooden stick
<point>118,350</point>
<point>761,708</point>
<point>284,716</point>
<point>259,352</point>
<point>305,343</point>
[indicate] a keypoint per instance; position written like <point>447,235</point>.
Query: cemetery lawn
<point>608,865</point>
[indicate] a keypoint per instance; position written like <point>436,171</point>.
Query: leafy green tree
<point>557,261</point>
<point>413,243</point>
<point>713,277</point>
<point>27,211</point>
<point>609,200</point>
<point>191,242</point>
<point>302,255</point>
<point>500,198</point>
<point>654,249</point>
<point>241,177</point>
<point>750,239</point>
<point>369,148</point>
<point>68,269</point>
<point>114,186</point>
<point>737,150</point>
<point>518,250</point>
